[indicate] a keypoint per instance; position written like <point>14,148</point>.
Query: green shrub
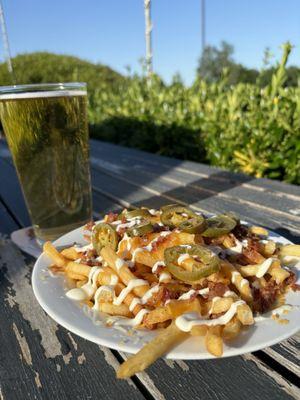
<point>242,127</point>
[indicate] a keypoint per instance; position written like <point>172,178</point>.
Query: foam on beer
<point>50,93</point>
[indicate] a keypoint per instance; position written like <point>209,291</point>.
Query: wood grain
<point>45,358</point>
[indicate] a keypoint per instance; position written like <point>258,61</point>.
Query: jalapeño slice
<point>140,230</point>
<point>104,235</point>
<point>183,218</point>
<point>204,262</point>
<point>219,225</point>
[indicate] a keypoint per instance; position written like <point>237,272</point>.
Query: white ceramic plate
<point>50,293</point>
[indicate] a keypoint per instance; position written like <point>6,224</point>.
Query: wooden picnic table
<point>41,360</point>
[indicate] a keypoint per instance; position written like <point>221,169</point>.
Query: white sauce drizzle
<point>182,258</point>
<point>237,249</point>
<point>101,289</point>
<point>134,303</point>
<point>165,277</point>
<point>157,265</point>
<point>192,292</point>
<point>264,267</point>
<point>82,249</point>
<point>131,285</point>
<point>234,276</point>
<point>149,294</point>
<point>137,320</point>
<point>185,322</point>
<point>114,279</point>
<point>88,289</point>
<point>135,252</point>
<point>153,211</point>
<point>132,222</point>
<point>229,293</point>
<point>120,263</point>
<point>214,300</point>
<point>244,282</point>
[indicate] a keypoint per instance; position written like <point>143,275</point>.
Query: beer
<point>46,129</point>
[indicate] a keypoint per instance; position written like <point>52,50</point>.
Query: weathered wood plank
<point>221,184</point>
<point>7,225</point>
<point>152,194</point>
<point>39,359</point>
<point>111,187</point>
<point>219,379</point>
<point>140,158</point>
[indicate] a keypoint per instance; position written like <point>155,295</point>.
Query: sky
<point>111,32</point>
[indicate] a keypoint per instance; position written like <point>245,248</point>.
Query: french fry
<point>221,305</point>
<point>171,311</point>
<point>268,249</point>
<point>179,307</point>
<point>245,315</point>
<point>199,330</point>
<point>104,278</point>
<point>213,340</point>
<point>124,273</point>
<point>113,309</point>
<point>160,345</point>
<point>236,278</point>
<point>55,256</point>
<point>158,315</point>
<point>70,253</point>
<point>228,241</point>
<point>275,270</point>
<point>76,277</point>
<point>81,283</point>
<point>150,258</point>
<point>78,268</point>
<point>232,329</point>
<point>258,230</point>
<point>290,250</point>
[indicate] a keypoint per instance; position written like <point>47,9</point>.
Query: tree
<point>214,60</point>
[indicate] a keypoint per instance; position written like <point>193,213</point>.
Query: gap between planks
<point>174,199</point>
<point>193,172</point>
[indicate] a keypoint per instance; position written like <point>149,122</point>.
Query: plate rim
<point>174,354</point>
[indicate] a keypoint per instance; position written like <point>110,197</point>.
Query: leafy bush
<point>242,127</point>
<point>43,67</point>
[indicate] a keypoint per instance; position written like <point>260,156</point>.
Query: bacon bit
<point>216,289</point>
<point>160,297</point>
<point>158,242</point>
<point>55,269</point>
<point>159,270</point>
<point>158,228</point>
<point>30,233</point>
<point>111,217</point>
<point>121,231</point>
<point>166,295</point>
<point>291,281</point>
<point>265,297</point>
<point>241,232</point>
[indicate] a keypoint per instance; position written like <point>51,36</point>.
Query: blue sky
<point>112,31</point>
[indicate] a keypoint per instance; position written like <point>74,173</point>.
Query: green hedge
<point>241,127</point>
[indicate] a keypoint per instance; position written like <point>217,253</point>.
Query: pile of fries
<point>177,271</point>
